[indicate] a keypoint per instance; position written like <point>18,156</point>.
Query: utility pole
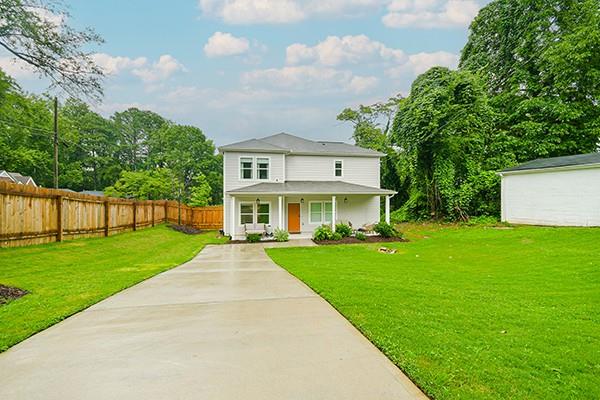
<point>55,143</point>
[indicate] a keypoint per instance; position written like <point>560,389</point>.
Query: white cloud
<point>162,69</point>
<point>308,78</point>
<point>225,44</point>
<point>335,50</point>
<point>430,13</point>
<point>112,65</point>
<point>282,11</point>
<point>16,68</point>
<point>421,62</point>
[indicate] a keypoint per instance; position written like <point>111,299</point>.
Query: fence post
<point>106,218</point>
<point>152,212</point>
<point>134,215</point>
<point>166,211</point>
<point>59,218</point>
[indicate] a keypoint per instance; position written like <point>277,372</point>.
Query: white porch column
<point>232,216</point>
<point>387,209</point>
<point>333,213</point>
<point>280,224</point>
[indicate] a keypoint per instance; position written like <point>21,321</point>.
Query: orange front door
<point>294,218</point>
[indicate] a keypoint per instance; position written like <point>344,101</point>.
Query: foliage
<point>482,220</point>
<point>336,236</point>
<point>157,184</point>
<point>361,236</point>
<point>281,235</point>
<point>322,232</point>
<point>253,237</point>
<point>386,230</point>
<point>541,64</point>
<point>527,288</point>
<point>64,278</point>
<point>93,150</point>
<point>200,192</point>
<point>36,33</point>
<point>343,229</point>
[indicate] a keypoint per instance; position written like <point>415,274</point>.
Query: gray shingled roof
<point>310,187</point>
<point>18,178</point>
<point>286,143</point>
<point>554,162</point>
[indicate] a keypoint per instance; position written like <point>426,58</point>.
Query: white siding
<point>231,177</point>
<point>358,170</point>
<point>567,197</point>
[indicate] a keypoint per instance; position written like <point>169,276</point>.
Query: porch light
<point>345,199</point>
<point>257,201</point>
<point>302,200</point>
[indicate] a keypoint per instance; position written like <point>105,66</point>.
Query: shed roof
<point>286,143</point>
<point>556,162</point>
<point>310,187</point>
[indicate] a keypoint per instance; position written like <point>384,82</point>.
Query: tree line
<point>527,86</point>
<point>133,153</point>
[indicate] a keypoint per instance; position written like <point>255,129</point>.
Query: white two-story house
<point>296,184</point>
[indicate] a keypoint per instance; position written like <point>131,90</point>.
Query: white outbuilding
<point>553,191</point>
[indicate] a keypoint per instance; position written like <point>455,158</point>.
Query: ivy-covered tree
<point>443,133</point>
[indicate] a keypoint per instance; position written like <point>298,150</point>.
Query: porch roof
<point>310,187</point>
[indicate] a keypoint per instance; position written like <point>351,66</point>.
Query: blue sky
<point>249,68</point>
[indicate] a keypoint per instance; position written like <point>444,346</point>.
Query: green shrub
<point>281,235</point>
<point>361,236</point>
<point>336,236</point>
<point>386,230</point>
<point>323,232</point>
<point>253,237</point>
<point>343,229</point>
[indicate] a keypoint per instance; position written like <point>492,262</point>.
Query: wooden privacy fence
<point>32,215</point>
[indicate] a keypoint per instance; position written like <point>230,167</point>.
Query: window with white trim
<point>339,168</point>
<point>246,213</point>
<point>316,212</point>
<point>252,213</point>
<point>320,212</point>
<point>263,215</point>
<point>262,168</point>
<point>246,167</point>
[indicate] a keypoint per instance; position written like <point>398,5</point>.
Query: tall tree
<point>134,129</point>
<point>35,32</point>
<point>541,63</point>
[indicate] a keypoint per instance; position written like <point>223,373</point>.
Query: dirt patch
<point>369,239</point>
<point>188,230</point>
<point>8,293</point>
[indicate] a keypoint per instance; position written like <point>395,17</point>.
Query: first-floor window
<point>252,213</point>
<point>246,213</point>
<point>320,212</point>
<point>316,212</point>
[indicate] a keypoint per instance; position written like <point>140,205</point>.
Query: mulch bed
<point>350,240</point>
<point>8,293</point>
<point>186,229</point>
<point>247,242</point>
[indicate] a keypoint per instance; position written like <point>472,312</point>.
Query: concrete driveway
<point>230,324</point>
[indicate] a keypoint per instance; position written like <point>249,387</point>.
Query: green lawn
<point>473,313</point>
<point>64,278</point>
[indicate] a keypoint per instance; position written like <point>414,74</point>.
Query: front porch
<point>301,213</point>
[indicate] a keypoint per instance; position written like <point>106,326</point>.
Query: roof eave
<point>548,169</point>
<point>246,150</point>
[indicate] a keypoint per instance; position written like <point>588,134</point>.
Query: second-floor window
<point>246,167</point>
<point>262,168</point>
<point>339,168</point>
